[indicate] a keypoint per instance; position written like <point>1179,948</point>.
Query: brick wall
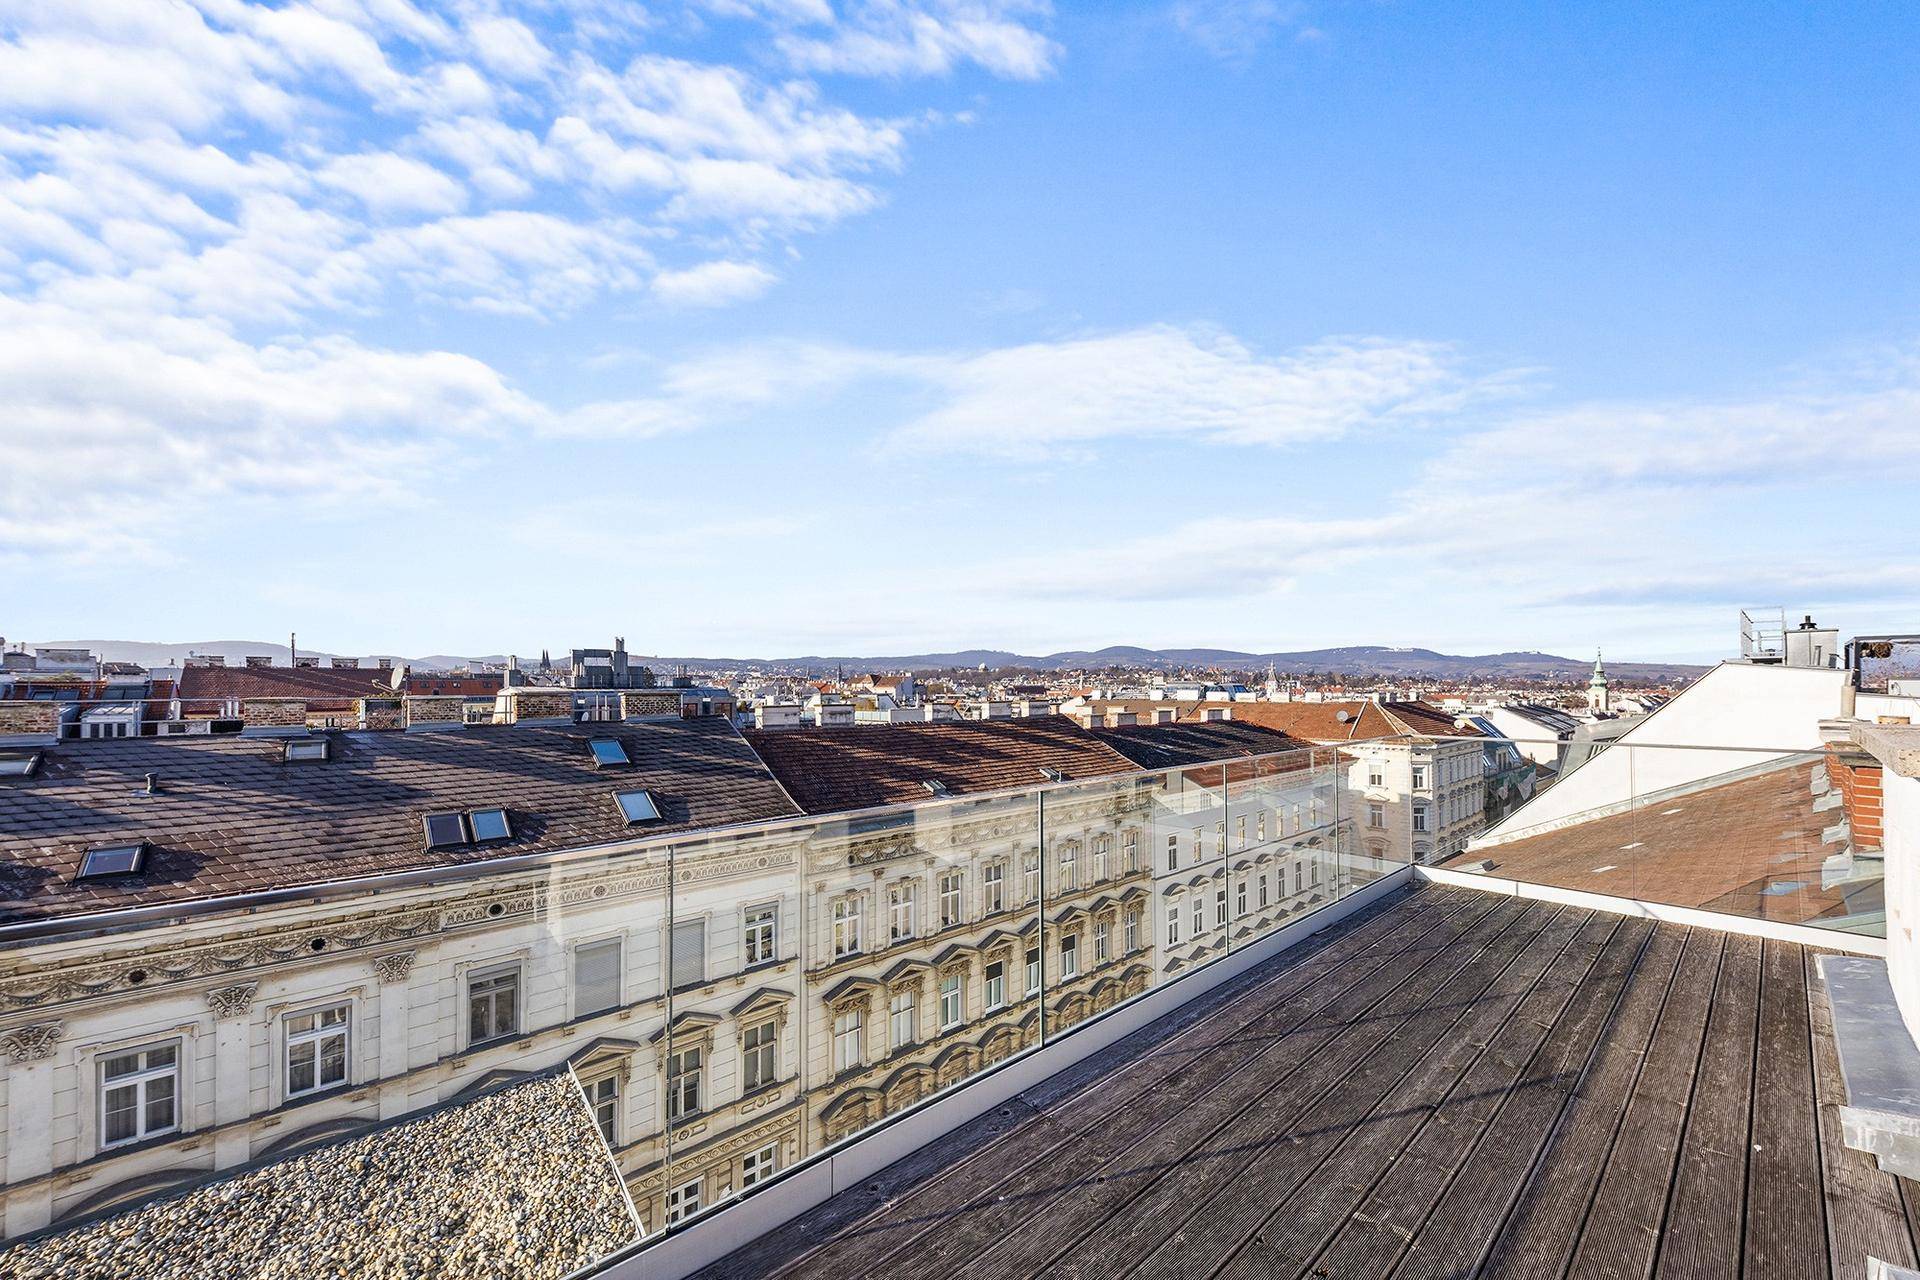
<point>651,702</point>
<point>539,704</point>
<point>1856,776</point>
<point>274,712</point>
<point>380,713</point>
<point>28,717</point>
<point>438,708</point>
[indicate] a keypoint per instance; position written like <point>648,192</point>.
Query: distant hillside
<point>1354,660</point>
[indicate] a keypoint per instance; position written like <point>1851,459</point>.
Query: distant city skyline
<point>787,326</point>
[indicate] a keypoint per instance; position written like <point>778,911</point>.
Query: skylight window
<point>445,830</point>
<point>1051,774</point>
<point>935,786</point>
<point>637,806</point>
<point>18,764</point>
<point>300,749</point>
<point>608,753</point>
<point>489,824</point>
<point>113,860</point>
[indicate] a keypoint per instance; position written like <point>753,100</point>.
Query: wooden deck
<point>1454,1084</point>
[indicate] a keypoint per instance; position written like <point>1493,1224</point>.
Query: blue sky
<point>782,326</point>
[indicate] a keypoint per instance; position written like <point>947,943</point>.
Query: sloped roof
<point>1169,746</point>
<point>233,817</point>
<point>285,682</point>
<point>865,766</point>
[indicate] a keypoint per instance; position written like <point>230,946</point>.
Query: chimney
<point>258,660</point>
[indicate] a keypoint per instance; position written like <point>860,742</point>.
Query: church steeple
<point>1597,697</point>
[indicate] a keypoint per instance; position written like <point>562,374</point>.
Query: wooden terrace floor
<point>1452,1084</point>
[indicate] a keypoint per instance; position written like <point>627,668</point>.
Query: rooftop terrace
<point>1452,1084</point>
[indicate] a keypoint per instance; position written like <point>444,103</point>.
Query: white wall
<point>1736,705</point>
<point>1900,797</point>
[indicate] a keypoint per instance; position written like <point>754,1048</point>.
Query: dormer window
<point>19,764</point>
<point>489,824</point>
<point>444,830</point>
<point>113,860</point>
<point>609,753</point>
<point>303,750</point>
<point>637,806</point>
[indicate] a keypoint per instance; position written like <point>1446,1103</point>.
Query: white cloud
<point>713,284</point>
<point>388,184</point>
<point>119,431</point>
<point>887,38</point>
<point>1235,30</point>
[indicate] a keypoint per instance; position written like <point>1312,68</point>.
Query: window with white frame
<point>993,888</point>
<point>1419,777</point>
<point>1033,971</point>
<point>1264,899</point>
<point>1102,942</point>
<point>1173,852</point>
<point>902,1015</point>
<point>1173,925</point>
<point>759,1055</point>
<point>849,1026</point>
<point>1220,837</point>
<point>1375,778</point>
<point>493,1003</point>
<point>952,894</point>
<point>603,1095</point>
<point>1376,815</point>
<point>683,1201</point>
<point>1240,897</point>
<point>1133,931</point>
<point>139,1094</point>
<point>1102,850</point>
<point>1198,854</point>
<point>1030,876</point>
<point>689,953</point>
<point>1130,850</point>
<point>760,930</point>
<point>596,977</point>
<point>846,927</point>
<point>317,1049</point>
<point>1260,826</point>
<point>1240,830</point>
<point>1199,915</point>
<point>1220,905</point>
<point>1070,956</point>
<point>1299,877</point>
<point>1419,815</point>
<point>953,1001</point>
<point>902,899</point>
<point>996,984</point>
<point>1068,863</point>
<point>757,1166</point>
<point>685,1070</point>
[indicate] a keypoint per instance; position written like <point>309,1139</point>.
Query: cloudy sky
<point>786,326</point>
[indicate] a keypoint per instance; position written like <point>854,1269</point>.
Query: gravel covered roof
<point>514,1185</point>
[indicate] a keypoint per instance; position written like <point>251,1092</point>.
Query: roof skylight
<point>489,824</point>
<point>608,753</point>
<point>935,786</point>
<point>112,860</point>
<point>445,830</point>
<point>299,749</point>
<point>637,806</point>
<point>18,764</point>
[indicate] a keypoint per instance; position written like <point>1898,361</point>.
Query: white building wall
<point>1736,705</point>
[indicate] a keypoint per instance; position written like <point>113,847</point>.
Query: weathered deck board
<point>1786,1233</point>
<point>1454,1085</point>
<point>1711,1180</point>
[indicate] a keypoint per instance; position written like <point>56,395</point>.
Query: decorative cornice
<point>231,1002</point>
<point>30,1044</point>
<point>394,966</point>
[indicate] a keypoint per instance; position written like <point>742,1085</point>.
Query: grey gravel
<point>515,1185</point>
